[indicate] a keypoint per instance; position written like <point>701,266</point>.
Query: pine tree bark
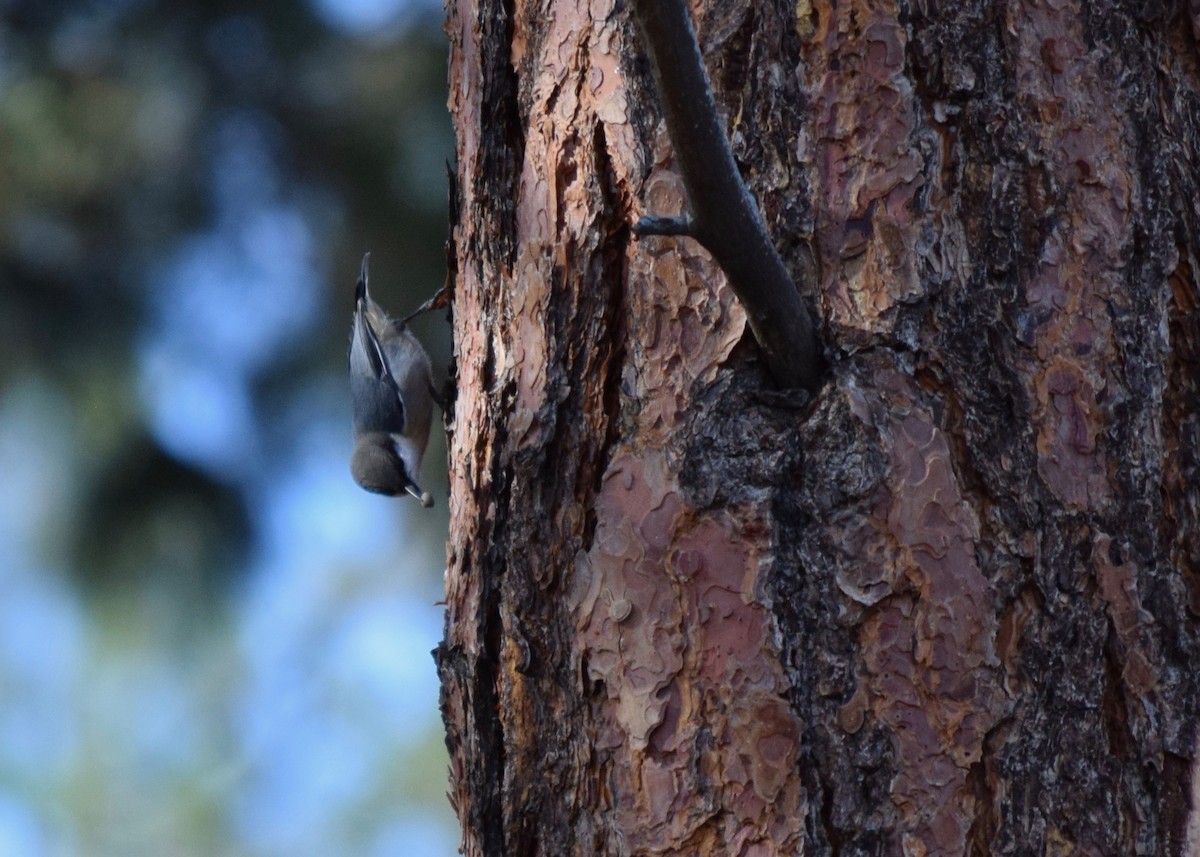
<point>952,606</point>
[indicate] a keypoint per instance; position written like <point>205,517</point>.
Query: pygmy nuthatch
<point>391,391</point>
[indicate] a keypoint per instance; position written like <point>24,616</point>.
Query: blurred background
<point>211,641</point>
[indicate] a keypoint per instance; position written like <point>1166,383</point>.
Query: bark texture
<point>950,607</point>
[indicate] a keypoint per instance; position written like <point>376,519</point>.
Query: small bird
<point>391,391</point>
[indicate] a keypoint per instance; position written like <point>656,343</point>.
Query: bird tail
<point>361,295</point>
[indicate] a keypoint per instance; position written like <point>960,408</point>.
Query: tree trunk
<point>949,607</point>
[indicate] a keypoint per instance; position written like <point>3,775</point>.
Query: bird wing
<point>385,369</point>
<point>369,367</point>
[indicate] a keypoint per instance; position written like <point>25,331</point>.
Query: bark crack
<point>612,255</point>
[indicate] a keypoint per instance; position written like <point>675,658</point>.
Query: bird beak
<point>423,497</point>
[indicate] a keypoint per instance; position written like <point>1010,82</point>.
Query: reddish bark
<point>952,606</point>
